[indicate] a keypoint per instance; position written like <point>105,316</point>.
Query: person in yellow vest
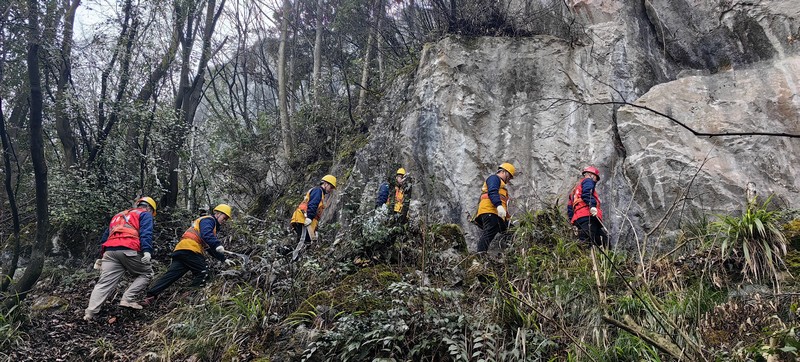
<point>397,203</point>
<point>308,213</point>
<point>492,216</point>
<point>188,254</point>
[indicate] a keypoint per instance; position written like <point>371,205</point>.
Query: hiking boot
<point>148,301</point>
<point>127,304</point>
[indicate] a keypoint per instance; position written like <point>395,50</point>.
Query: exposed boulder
<point>663,157</point>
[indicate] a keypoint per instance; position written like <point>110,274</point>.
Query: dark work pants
<point>298,228</point>
<point>491,225</point>
<point>182,262</point>
<point>591,230</point>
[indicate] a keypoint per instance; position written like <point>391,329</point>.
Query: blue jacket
<point>493,188</point>
<point>314,198</point>
<point>587,194</point>
<point>383,195</point>
<point>207,226</point>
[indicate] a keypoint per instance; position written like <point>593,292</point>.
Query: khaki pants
<point>115,264</point>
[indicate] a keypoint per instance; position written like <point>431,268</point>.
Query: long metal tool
<point>301,245</point>
<point>245,258</point>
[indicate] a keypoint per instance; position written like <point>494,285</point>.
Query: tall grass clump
<point>10,335</point>
<point>755,241</point>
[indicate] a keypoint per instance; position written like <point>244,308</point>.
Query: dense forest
<point>249,103</point>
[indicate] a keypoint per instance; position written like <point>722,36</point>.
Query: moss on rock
<point>446,236</point>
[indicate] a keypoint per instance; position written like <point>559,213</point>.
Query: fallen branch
<point>655,340</point>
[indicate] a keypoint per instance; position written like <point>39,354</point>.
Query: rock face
<point>552,105</point>
<point>664,156</point>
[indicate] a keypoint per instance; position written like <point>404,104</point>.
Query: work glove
<point>593,211</point>
<point>98,264</point>
<point>501,211</point>
<point>307,222</point>
<point>220,249</point>
<point>146,257</point>
<point>230,262</point>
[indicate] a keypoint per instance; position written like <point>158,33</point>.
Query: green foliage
<point>200,327</point>
<point>792,232</point>
<point>627,347</point>
<point>10,334</point>
<point>546,227</point>
<point>756,239</point>
<point>81,210</point>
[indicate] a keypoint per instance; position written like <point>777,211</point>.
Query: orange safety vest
<point>191,239</point>
<point>299,215</point>
<point>579,207</point>
<point>123,230</point>
<point>398,199</point>
<point>485,205</point>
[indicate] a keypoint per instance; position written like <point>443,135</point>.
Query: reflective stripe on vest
<point>398,199</point>
<point>121,223</point>
<point>193,232</point>
<point>299,215</point>
<point>485,205</point>
<point>123,230</point>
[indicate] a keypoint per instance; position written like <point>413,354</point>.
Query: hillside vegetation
<point>414,293</point>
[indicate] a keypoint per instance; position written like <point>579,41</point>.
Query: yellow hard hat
<point>149,201</point>
<point>508,167</point>
<point>401,171</point>
<point>331,179</point>
<point>225,209</point>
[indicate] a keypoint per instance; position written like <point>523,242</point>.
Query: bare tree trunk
<point>9,270</point>
<point>63,127</point>
<point>11,267</point>
<point>190,93</point>
<point>380,14</point>
<point>20,289</point>
<point>362,93</point>
<point>286,130</point>
<point>147,90</point>
<point>317,54</point>
<point>125,43</point>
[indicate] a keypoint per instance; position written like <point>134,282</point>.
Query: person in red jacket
<point>583,208</point>
<point>127,247</point>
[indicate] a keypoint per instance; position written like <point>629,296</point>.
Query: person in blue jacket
<point>584,211</point>
<point>305,218</point>
<point>188,255</point>
<point>492,215</point>
<point>395,203</point>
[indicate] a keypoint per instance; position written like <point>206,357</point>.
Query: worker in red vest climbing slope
<point>127,247</point>
<point>583,208</point>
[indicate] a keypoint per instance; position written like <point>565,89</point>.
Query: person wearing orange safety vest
<point>583,208</point>
<point>397,203</point>
<point>492,216</point>
<point>188,254</point>
<point>127,247</point>
<point>309,212</point>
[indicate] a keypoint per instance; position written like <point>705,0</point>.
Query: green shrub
<point>756,240</point>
